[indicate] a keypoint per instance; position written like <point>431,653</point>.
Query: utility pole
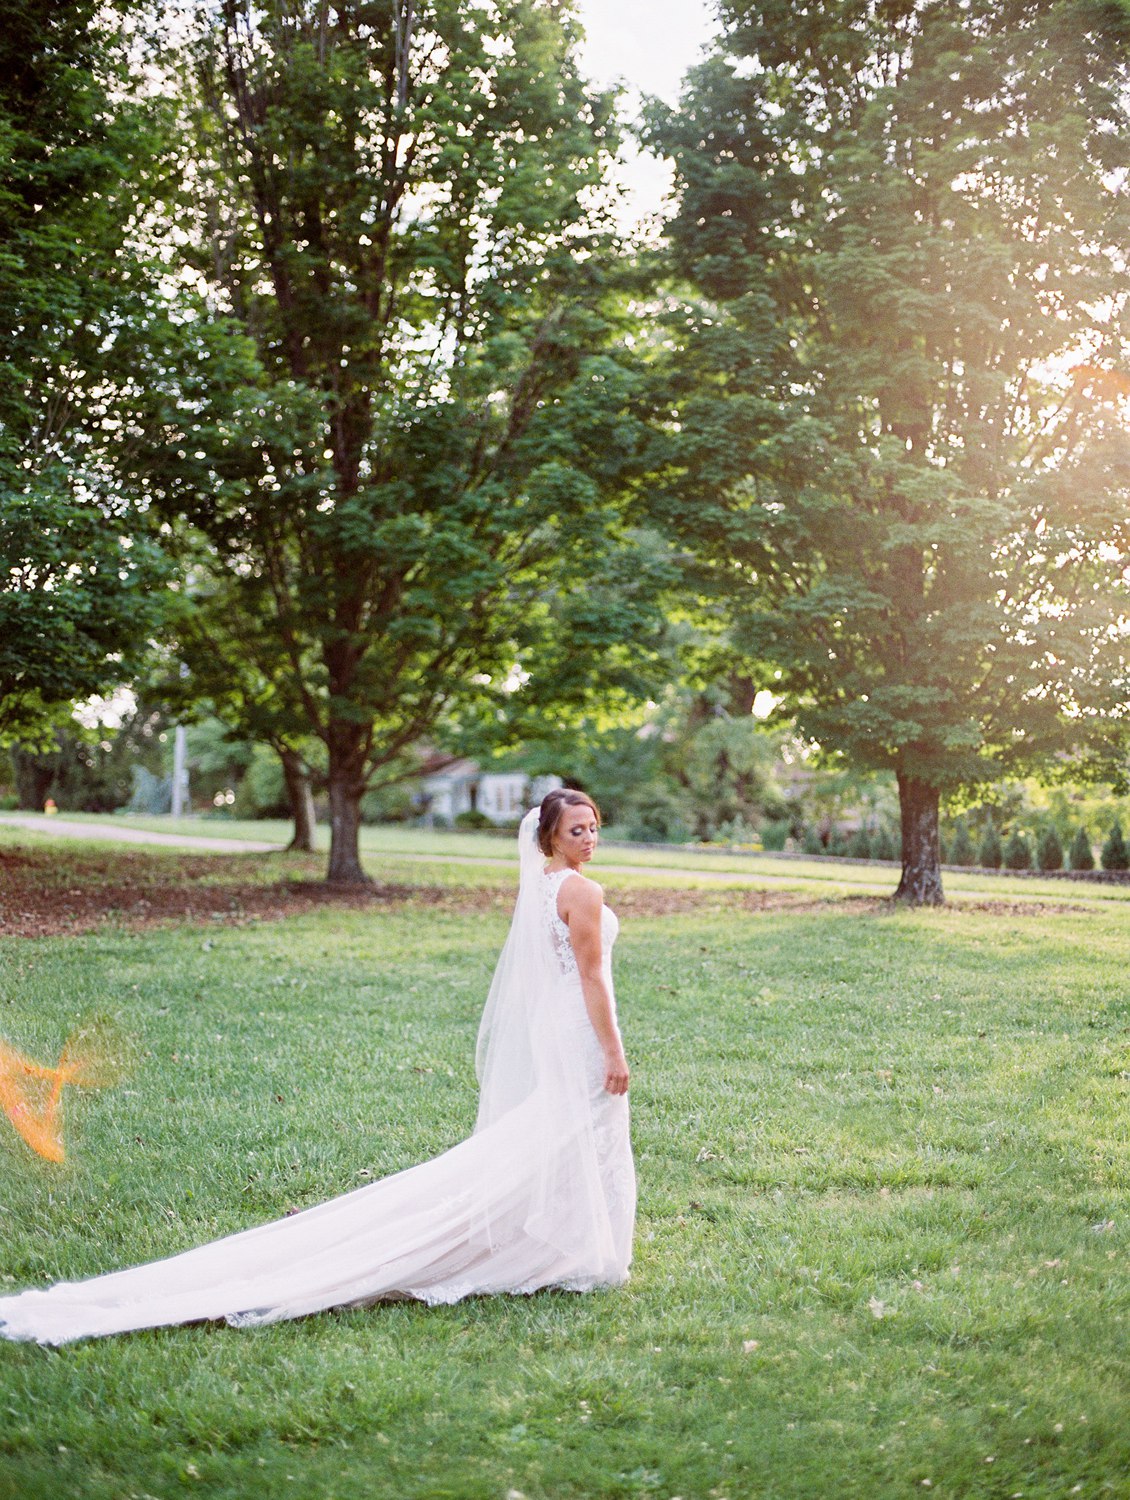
<point>180,768</point>
<point>180,773</point>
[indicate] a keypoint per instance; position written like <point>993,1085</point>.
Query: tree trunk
<point>33,775</point>
<point>346,786</point>
<point>301,796</point>
<point>921,883</point>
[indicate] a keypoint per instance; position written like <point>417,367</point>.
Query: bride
<point>542,1194</point>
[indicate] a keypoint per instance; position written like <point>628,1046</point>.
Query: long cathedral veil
<point>513,1030</point>
<point>516,1206</point>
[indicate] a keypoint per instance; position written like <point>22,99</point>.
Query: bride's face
<point>576,834</point>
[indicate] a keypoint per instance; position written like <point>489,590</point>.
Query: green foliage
<point>655,814</point>
<point>885,845</point>
<point>261,792</point>
<point>1115,855</point>
<point>1082,854</point>
<point>687,769</point>
<point>827,795</point>
<point>961,849</point>
<point>729,767</point>
<point>774,832</point>
<point>78,576</point>
<point>1066,804</point>
<point>812,842</point>
<point>402,423</point>
<point>89,769</point>
<point>859,845</point>
<point>1017,854</point>
<point>1049,850</point>
<point>393,803</point>
<point>152,795</point>
<point>77,599</point>
<point>894,221</point>
<point>990,854</point>
<point>735,831</point>
<point>613,761</point>
<point>472,818</point>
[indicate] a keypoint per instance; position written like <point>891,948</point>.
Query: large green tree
<point>892,419</point>
<point>76,575</point>
<point>409,408</point>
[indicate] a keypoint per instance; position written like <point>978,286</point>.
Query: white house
<point>501,796</point>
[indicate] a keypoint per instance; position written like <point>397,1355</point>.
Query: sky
<point>645,45</point>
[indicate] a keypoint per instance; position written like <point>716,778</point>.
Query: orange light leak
<point>31,1093</point>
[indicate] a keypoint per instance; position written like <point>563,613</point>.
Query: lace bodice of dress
<point>553,880</point>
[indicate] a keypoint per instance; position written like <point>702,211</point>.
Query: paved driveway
<point>61,828</point>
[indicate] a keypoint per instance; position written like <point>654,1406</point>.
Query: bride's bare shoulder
<point>581,896</point>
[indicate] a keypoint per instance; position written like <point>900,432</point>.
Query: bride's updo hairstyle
<point>553,805</point>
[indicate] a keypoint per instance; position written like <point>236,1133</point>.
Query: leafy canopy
<point>401,419</point>
<point>892,409</point>
<point>77,573</point>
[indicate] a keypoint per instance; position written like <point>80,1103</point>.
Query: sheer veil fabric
<point>542,1194</point>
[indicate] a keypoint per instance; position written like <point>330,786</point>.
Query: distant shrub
<point>654,816</point>
<point>1081,854</point>
<point>151,794</point>
<point>473,819</point>
<point>990,853</point>
<point>394,803</point>
<point>813,843</point>
<point>885,846</point>
<point>962,851</point>
<point>261,792</point>
<point>735,831</point>
<point>859,845</point>
<point>774,832</point>
<point>1049,850</point>
<point>1115,855</point>
<point>9,802</point>
<point>1017,852</point>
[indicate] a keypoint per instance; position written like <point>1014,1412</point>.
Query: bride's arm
<point>580,904</point>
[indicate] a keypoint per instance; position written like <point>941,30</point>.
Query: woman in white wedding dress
<point>542,1194</point>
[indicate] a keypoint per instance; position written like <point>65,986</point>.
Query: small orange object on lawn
<point>31,1093</point>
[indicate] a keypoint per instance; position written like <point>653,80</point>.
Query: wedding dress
<point>542,1194</point>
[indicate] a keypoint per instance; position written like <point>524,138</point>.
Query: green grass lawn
<point>394,848</point>
<point>882,1234</point>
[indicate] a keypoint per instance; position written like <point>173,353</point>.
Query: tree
<point>728,767</point>
<point>406,411</point>
<point>1017,851</point>
<point>1081,855</point>
<point>897,219</point>
<point>77,575</point>
<point>990,855</point>
<point>1049,850</point>
<point>1115,855</point>
<point>962,852</point>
